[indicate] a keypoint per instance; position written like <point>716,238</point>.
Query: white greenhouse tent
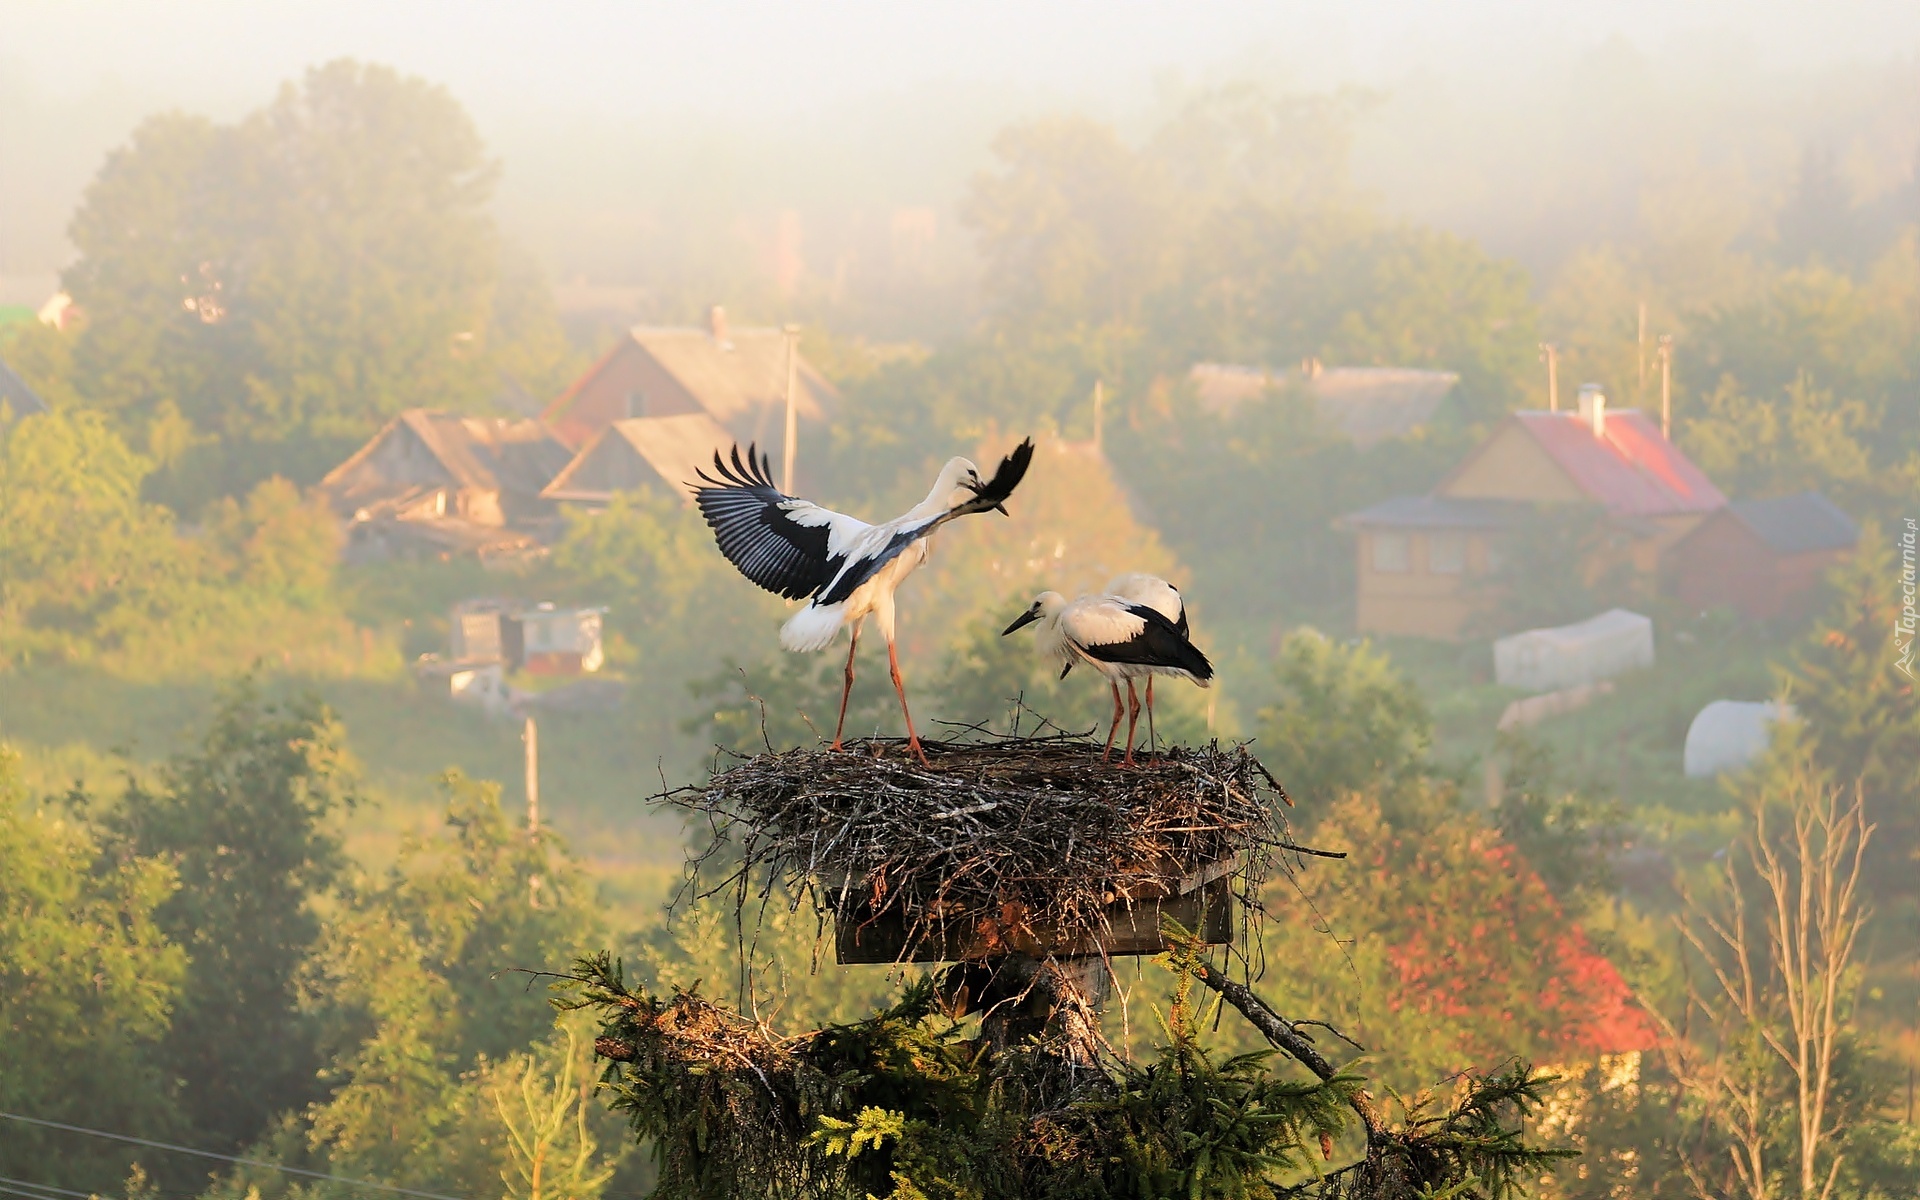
<point>1568,656</point>
<point>1730,734</point>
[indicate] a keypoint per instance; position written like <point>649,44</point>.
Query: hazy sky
<point>893,100</point>
<point>742,58</point>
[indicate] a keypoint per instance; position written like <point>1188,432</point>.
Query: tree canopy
<point>273,288</point>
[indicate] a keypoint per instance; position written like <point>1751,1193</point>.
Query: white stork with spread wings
<point>843,567</point>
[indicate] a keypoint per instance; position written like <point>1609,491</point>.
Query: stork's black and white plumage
<point>843,567</point>
<point>1121,640</point>
<point>1137,587</point>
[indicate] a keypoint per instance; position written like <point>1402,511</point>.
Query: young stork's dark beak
<point>1022,621</point>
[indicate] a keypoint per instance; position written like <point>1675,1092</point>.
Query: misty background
<point>808,159</point>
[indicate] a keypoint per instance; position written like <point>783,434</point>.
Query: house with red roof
<point>1418,556</point>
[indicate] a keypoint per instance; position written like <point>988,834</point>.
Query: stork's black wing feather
<point>750,521</point>
<point>1006,477</point>
<point>1158,644</point>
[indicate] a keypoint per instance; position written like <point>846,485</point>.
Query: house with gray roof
<point>1762,558</point>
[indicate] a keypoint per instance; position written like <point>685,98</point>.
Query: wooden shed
<point>1763,558</point>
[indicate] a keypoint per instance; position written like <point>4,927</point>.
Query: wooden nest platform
<point>1027,845</point>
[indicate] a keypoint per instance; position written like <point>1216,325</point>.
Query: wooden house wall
<point>629,383</point>
<point>1420,601</point>
<point>1511,466</point>
<point>1726,565</point>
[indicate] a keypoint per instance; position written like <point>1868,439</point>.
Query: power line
<point>48,1187</point>
<point>245,1162</point>
<point>42,1193</point>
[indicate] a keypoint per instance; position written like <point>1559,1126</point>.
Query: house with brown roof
<point>1762,558</point>
<point>1367,404</point>
<point>737,377</point>
<point>1418,556</point>
<point>446,484</point>
<point>664,453</point>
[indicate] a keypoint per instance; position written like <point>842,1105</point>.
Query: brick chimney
<point>1593,408</point>
<point>717,326</point>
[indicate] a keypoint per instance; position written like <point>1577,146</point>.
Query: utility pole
<point>530,736</point>
<point>1666,386</point>
<point>1640,353</point>
<point>792,334</point>
<point>1099,404</point>
<point>1550,354</point>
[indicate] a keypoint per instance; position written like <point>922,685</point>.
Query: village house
<point>1418,556</point>
<point>736,377</point>
<point>659,452</point>
<point>541,639</point>
<point>1762,558</point>
<point>443,484</point>
<point>1367,404</point>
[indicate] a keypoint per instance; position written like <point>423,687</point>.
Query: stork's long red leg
<point>913,741</point>
<point>1152,741</point>
<point>1133,721</point>
<point>852,645</point>
<point>1113,729</point>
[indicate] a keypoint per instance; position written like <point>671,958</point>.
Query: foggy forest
<point>1407,689</point>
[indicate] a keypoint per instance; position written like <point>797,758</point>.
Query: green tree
<point>1562,830</point>
<point>286,282</point>
<point>418,987</point>
<point>1274,285</point>
<point>1075,227</point>
<point>246,821</point>
<point>1861,710</point>
<point>1346,722</point>
<point>80,553</point>
<point>1802,439</point>
<point>88,976</point>
<point>1201,474</point>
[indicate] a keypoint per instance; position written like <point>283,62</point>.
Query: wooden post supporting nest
<point>1020,997</point>
<point>1031,979</point>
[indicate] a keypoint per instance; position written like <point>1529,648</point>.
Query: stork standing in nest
<point>1137,587</point>
<point>1121,640</point>
<point>843,567</point>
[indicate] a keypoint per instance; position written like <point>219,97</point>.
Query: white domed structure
<point>1728,735</point>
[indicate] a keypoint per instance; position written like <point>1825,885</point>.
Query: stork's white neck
<point>940,496</point>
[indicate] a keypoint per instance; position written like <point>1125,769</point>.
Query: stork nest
<point>1030,838</point>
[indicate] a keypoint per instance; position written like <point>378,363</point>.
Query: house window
<point>1390,552</point>
<point>635,405</point>
<point>1496,556</point>
<point>1447,554</point>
